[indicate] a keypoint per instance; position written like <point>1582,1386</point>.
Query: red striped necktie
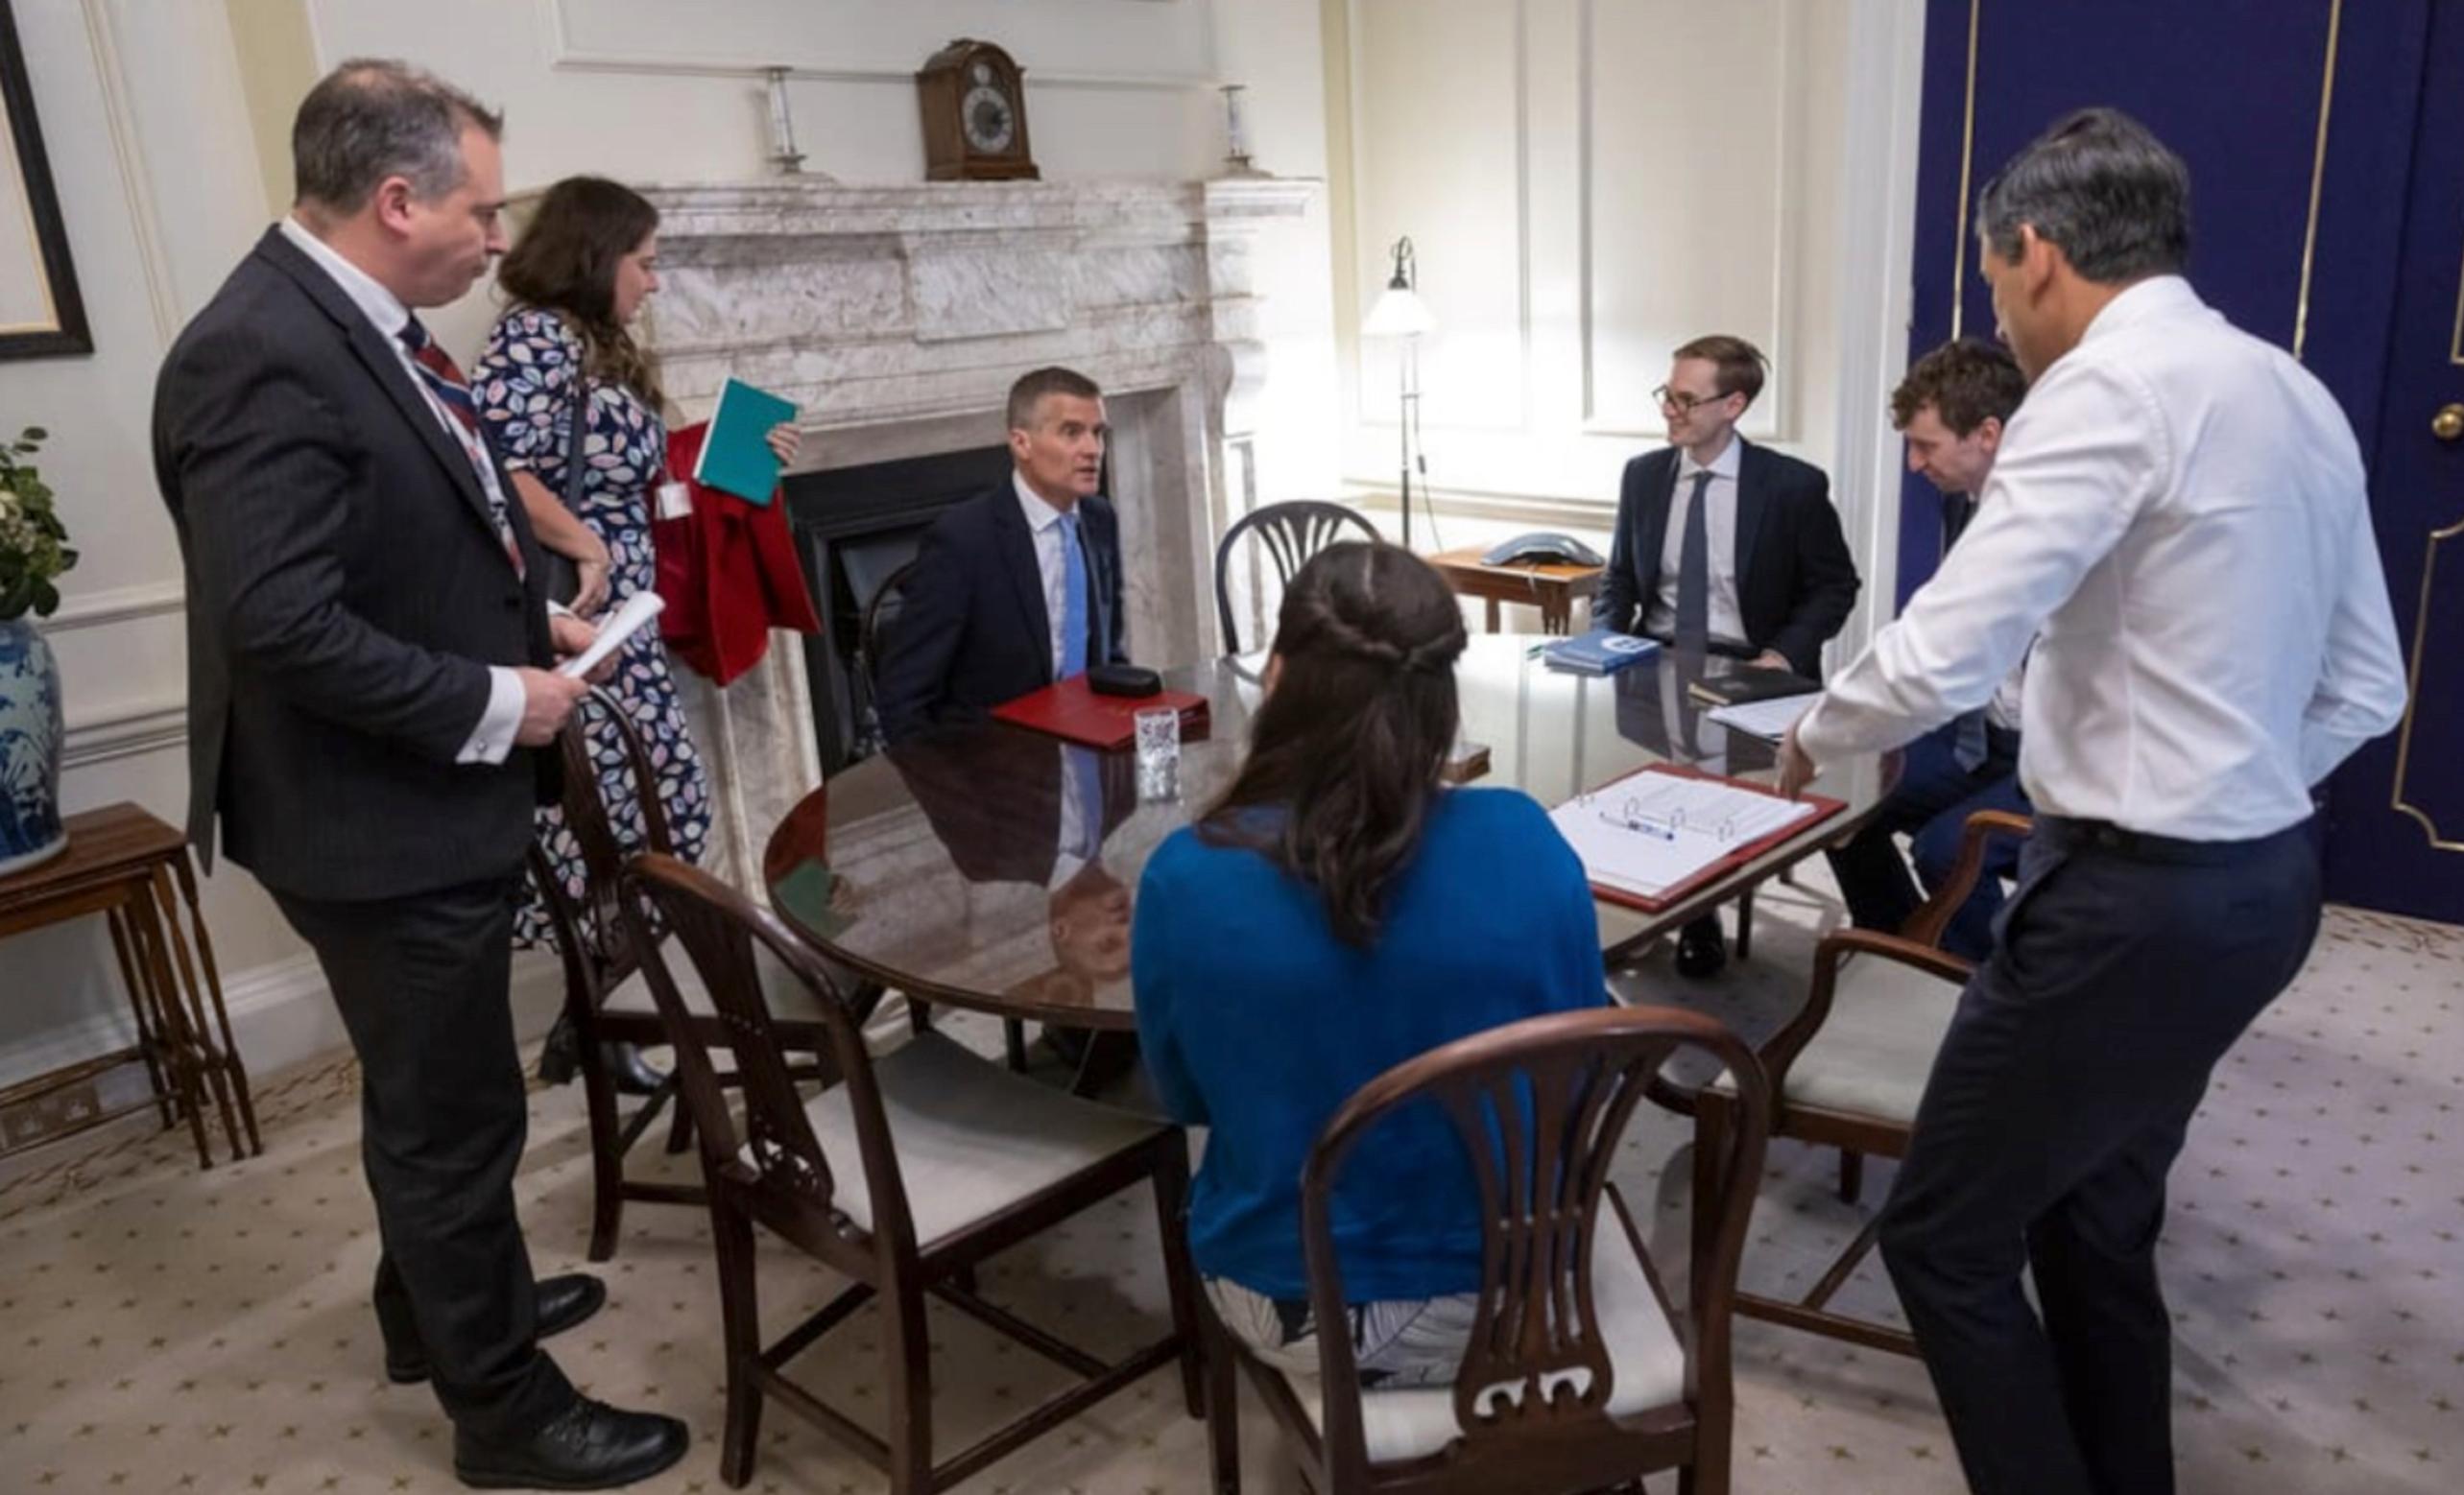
<point>445,381</point>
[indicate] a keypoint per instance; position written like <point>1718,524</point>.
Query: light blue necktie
<point>1088,777</point>
<point>1073,599</point>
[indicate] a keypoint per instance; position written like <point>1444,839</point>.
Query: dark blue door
<point>2326,146</point>
<point>2396,812</point>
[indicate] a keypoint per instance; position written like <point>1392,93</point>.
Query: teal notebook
<point>736,456</point>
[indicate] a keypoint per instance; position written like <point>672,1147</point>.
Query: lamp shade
<point>1400,313</point>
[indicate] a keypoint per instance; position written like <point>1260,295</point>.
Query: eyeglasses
<point>1685,404</point>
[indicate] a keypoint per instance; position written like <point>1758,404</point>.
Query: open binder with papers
<point>1649,838</point>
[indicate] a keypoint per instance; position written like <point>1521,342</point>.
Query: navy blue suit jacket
<point>1795,580</point>
<point>972,631</point>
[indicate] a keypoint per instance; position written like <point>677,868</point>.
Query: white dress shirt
<point>1044,525</point>
<point>2178,518</point>
<point>492,739</point>
<point>1719,528</point>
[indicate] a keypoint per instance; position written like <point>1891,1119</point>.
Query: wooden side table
<point>1552,589</point>
<point>122,864</point>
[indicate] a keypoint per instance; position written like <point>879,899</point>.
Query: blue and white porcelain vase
<point>30,733</point>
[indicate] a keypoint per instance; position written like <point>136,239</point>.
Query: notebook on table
<point>1649,838</point>
<point>1071,711</point>
<point>1746,683</point>
<point>1599,652</point>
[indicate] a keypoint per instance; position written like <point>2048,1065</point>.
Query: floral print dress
<point>524,386</point>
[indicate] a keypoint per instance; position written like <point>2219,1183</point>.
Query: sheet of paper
<point>1768,720</point>
<point>613,630</point>
<point>1649,832</point>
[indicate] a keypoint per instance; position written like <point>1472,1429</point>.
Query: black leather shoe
<point>632,1073</point>
<point>1701,949</point>
<point>588,1446</point>
<point>560,1056</point>
<point>563,1302</point>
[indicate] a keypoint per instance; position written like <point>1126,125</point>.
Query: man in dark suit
<point>368,642</point>
<point>1952,409</point>
<point>1018,587</point>
<point>1724,547</point>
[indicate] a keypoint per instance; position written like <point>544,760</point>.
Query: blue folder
<point>736,456</point>
<point>1600,652</point>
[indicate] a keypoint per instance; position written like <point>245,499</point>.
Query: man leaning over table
<point>2177,518</point>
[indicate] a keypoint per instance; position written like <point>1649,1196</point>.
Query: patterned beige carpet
<point>166,1330</point>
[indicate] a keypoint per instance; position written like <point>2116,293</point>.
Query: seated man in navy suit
<point>1951,407</point>
<point>1021,586</point>
<point>1724,547</point>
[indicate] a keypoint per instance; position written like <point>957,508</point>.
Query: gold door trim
<point>2412,692</point>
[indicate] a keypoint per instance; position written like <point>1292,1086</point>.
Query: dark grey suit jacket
<point>1795,580</point>
<point>346,592</point>
<point>973,630</point>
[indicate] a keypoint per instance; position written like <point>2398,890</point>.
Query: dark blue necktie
<point>1694,571</point>
<point>1073,599</point>
<point>1969,746</point>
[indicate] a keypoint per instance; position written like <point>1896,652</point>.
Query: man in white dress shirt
<point>2178,518</point>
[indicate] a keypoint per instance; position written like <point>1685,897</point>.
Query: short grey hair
<point>372,118</point>
<point>2100,185</point>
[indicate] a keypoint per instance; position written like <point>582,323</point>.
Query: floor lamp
<point>1401,313</point>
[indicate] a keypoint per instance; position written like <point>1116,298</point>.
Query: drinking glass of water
<point>1158,753</point>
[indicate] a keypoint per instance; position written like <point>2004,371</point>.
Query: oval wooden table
<point>947,867</point>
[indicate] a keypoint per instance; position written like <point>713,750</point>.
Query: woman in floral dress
<point>575,283</point>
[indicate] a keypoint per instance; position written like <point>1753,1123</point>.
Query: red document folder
<point>1825,807</point>
<point>1073,712</point>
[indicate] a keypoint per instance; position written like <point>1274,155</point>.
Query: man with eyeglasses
<point>1724,547</point>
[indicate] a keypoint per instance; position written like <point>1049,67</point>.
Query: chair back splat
<point>1540,1108</point>
<point>1289,534</point>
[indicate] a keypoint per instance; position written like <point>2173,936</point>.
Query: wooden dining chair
<point>1848,1069</point>
<point>880,619</point>
<point>1579,1374</point>
<point>1289,534</point>
<point>903,1176</point>
<point>605,995</point>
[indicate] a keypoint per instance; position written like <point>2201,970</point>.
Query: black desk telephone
<point>1544,546</point>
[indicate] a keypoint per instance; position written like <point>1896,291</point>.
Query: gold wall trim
<point>2412,692</point>
<point>2456,344</point>
<point>1966,159</point>
<point>2310,229</point>
<point>2318,178</point>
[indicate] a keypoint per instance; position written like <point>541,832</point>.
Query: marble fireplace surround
<point>896,316</point>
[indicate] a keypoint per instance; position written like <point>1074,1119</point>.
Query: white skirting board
<point>282,1016</point>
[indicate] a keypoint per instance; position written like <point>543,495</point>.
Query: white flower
<point>9,504</point>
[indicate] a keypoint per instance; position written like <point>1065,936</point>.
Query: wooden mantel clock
<point>975,115</point>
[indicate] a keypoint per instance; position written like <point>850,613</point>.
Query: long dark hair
<point>567,263</point>
<point>1351,743</point>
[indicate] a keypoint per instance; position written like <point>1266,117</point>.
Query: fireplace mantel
<point>871,304</point>
<point>896,316</point>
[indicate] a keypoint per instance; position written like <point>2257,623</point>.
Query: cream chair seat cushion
<point>972,1138</point>
<point>1646,1358</point>
<point>1875,1051</point>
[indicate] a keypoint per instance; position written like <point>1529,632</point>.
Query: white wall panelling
<point>1589,182</point>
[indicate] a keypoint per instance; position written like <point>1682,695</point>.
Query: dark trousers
<point>2126,967</point>
<point>424,985</point>
<point>1931,806</point>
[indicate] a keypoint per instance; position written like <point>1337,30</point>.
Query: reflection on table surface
<point>993,868</point>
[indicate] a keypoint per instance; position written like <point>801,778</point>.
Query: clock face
<point>990,120</point>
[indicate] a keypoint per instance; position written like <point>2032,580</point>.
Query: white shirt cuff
<point>492,739</point>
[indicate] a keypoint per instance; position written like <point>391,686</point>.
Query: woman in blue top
<point>1340,910</point>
